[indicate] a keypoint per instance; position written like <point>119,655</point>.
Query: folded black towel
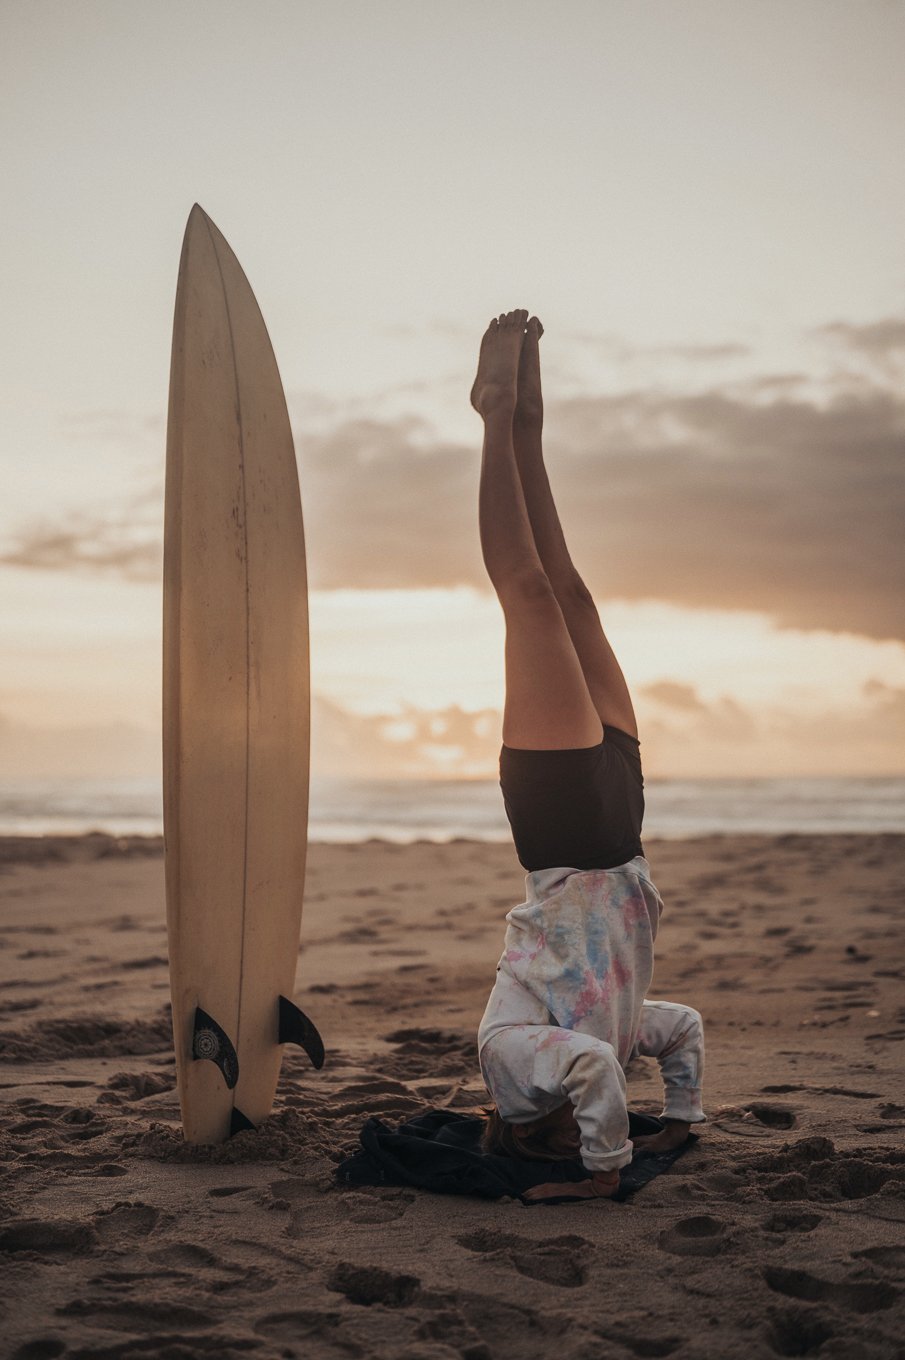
<point>441,1151</point>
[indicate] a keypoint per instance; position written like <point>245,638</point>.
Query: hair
<point>514,1140</point>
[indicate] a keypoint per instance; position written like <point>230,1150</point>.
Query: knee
<point>573,592</point>
<point>600,1058</point>
<point>527,586</point>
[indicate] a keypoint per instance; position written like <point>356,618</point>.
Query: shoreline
<point>106,843</point>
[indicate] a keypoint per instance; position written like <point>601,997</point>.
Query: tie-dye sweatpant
<point>568,1010</point>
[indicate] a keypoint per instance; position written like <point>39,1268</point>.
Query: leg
<point>602,672</point>
<point>548,706</point>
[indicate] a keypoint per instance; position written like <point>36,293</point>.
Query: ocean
<point>443,810</point>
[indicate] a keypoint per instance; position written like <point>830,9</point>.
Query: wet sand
<point>781,1233</point>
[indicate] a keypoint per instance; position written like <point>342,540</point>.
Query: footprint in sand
<point>701,1235</point>
<point>560,1261</point>
<point>82,1124</point>
<point>772,1116</point>
<point>126,1220</point>
<point>798,1331</point>
<point>888,1258</point>
<point>42,1348</point>
<point>856,1296</point>
<point>137,1316</point>
<point>48,1237</point>
<point>792,1220</point>
<point>184,1255</point>
<point>366,1285</point>
<point>323,1332</point>
<point>755,1120</point>
<point>453,1336</point>
<point>642,1344</point>
<point>364,1208</point>
<point>140,1085</point>
<point>846,1091</point>
<point>813,1169</point>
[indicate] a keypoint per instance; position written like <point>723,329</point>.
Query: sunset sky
<point>703,201</point>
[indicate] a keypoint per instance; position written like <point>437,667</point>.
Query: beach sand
<point>781,1233</point>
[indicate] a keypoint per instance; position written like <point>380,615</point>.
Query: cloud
<point>117,543</point>
<point>445,742</point>
<point>96,751</point>
<point>672,694</point>
<point>877,339</point>
<point>619,351</point>
<point>683,736</point>
<point>723,739</point>
<point>700,353</point>
<point>760,496</point>
<point>786,506</point>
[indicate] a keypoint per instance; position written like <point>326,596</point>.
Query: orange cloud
<point>783,506</point>
<point>683,736</point>
<point>746,497</point>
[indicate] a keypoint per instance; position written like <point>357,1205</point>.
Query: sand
<point>781,1233</point>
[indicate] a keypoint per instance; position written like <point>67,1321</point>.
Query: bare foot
<point>529,406</point>
<point>600,1185</point>
<point>495,387</point>
<point>672,1135</point>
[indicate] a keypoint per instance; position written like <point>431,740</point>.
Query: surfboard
<point>236,699</point>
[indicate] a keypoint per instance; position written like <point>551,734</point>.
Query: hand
<point>673,1135</point>
<point>600,1185</point>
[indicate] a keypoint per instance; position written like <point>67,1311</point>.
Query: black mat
<point>440,1151</point>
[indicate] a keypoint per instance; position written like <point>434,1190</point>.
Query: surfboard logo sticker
<point>213,1043</point>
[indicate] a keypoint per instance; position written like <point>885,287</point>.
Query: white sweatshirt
<point>567,1011</point>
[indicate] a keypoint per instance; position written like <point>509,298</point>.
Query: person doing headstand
<point>567,1011</point>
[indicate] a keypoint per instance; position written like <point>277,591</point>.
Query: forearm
<point>674,1035</point>
<point>595,1084</point>
<point>532,1068</point>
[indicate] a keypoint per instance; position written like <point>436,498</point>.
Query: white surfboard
<point>236,699</point>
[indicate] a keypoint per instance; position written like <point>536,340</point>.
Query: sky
<point>704,203</point>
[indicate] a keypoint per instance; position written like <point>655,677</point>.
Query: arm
<point>532,1068</point>
<point>674,1035</point>
<point>595,1085</point>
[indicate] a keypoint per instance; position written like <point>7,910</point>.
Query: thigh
<point>548,704</point>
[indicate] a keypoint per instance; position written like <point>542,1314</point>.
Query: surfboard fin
<point>212,1042</point>
<point>238,1122</point>
<point>296,1028</point>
